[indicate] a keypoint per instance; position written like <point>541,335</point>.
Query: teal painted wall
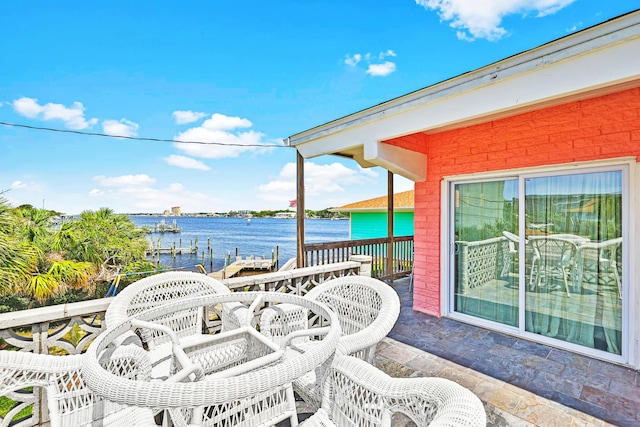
<point>369,225</point>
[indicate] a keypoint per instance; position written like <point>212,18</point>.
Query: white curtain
<point>588,209</point>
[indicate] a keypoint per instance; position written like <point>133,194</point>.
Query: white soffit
<point>601,59</point>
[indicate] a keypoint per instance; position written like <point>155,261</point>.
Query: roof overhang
<point>595,61</point>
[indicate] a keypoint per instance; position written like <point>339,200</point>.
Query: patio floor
<point>521,383</point>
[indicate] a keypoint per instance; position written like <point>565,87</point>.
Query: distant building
<point>175,211</point>
<point>285,215</point>
<point>368,218</point>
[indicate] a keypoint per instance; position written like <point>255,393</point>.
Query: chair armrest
<point>365,340</point>
<point>355,391</point>
<point>279,321</point>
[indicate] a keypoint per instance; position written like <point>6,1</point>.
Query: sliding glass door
<point>542,254</point>
<point>486,265</point>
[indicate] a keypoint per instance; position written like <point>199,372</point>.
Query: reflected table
<point>554,255</point>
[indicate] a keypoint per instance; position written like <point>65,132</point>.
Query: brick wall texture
<point>598,128</point>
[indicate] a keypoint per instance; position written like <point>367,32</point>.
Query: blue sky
<point>245,73</point>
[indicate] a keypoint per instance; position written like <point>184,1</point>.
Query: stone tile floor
<point>522,383</point>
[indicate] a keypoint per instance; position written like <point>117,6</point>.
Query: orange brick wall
<point>598,128</point>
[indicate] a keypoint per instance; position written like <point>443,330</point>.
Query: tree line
<point>323,214</point>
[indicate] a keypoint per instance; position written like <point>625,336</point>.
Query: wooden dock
<point>240,265</point>
<point>165,227</point>
<point>171,251</point>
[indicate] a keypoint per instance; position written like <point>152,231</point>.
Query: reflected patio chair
<point>554,257</point>
<point>510,255</point>
<point>599,257</point>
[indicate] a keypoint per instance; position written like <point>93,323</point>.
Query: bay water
<point>256,237</point>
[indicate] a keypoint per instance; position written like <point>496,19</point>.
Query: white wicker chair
<point>160,289</point>
<point>226,380</point>
<point>357,394</point>
<point>70,402</point>
<point>367,309</point>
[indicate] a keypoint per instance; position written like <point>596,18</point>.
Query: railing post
<point>365,264</point>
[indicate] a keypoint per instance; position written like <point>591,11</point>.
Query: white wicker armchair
<point>155,291</point>
<point>367,309</point>
<point>71,403</point>
<point>360,395</point>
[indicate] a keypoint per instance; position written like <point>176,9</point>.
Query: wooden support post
<point>300,210</point>
<point>390,231</point>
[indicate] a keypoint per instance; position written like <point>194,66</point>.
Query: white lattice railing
<point>70,328</point>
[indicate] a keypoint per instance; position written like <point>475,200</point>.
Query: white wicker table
<point>237,377</point>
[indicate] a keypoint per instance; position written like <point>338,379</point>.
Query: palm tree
<point>17,257</point>
<point>42,260</point>
<point>107,238</point>
<point>50,273</point>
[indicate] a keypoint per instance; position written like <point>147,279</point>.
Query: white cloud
<point>368,172</point>
<point>224,138</point>
<point>73,117</point>
<point>183,117</point>
<point>401,183</point>
<point>175,187</point>
<point>482,19</point>
<point>26,186</point>
<point>28,107</point>
<point>141,180</point>
<point>353,60</point>
<point>385,54</point>
<point>140,193</point>
<point>319,180</point>
<point>122,127</point>
<point>224,123</point>
<point>185,162</point>
<point>574,28</point>
<point>373,69</point>
<point>383,69</point>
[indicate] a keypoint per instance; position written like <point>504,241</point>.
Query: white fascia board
<point>593,60</point>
